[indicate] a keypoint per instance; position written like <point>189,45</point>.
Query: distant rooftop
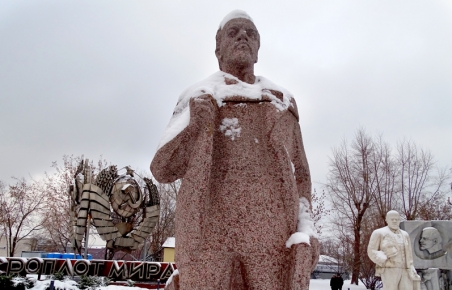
<point>327,259</point>
<point>169,243</point>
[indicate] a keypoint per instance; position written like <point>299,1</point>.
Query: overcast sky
<point>102,77</point>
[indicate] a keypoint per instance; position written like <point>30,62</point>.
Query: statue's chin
<point>433,249</point>
<point>241,59</point>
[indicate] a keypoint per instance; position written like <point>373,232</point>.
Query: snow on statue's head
<point>251,33</point>
<point>234,14</point>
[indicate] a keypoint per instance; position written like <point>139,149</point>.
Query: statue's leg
<point>212,271</point>
<point>391,278</point>
<point>405,281</point>
<point>265,270</point>
<point>304,258</point>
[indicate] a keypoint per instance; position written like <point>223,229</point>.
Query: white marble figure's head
<point>393,219</point>
<point>430,240</point>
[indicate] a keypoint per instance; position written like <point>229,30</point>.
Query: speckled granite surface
<point>239,199</point>
<point>244,169</point>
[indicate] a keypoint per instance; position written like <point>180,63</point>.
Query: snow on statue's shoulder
<point>222,86</point>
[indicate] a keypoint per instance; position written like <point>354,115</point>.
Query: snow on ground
<point>324,284</point>
<point>316,284</point>
<point>71,285</point>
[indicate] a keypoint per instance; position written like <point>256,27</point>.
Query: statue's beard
<point>240,61</point>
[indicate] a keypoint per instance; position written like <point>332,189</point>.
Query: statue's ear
<point>217,53</point>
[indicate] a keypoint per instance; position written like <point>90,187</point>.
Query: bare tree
<point>366,180</point>
<point>351,183</point>
<point>319,210</point>
<point>21,208</point>
<point>435,208</point>
<point>340,251</point>
<point>385,174</point>
<point>418,182</point>
<point>58,224</point>
<point>165,226</point>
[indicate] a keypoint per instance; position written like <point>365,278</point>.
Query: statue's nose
<point>242,35</point>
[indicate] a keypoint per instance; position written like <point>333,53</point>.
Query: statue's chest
<point>242,133</point>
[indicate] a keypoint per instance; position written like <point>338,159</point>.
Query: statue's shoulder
<point>223,86</point>
<point>204,87</point>
<point>266,84</point>
<point>280,96</point>
<point>382,231</point>
<point>405,233</point>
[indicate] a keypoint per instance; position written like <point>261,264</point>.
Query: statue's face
<point>239,44</point>
<point>393,221</point>
<point>426,241</point>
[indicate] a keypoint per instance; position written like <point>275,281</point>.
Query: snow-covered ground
<point>316,284</point>
<point>68,285</point>
<point>71,285</point>
<point>324,284</point>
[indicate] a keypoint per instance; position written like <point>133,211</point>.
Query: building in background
<point>26,244</point>
<point>169,250</point>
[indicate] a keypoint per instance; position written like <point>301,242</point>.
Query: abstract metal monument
<point>123,209</point>
<point>243,208</point>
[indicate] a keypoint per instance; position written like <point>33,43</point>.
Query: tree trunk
<point>356,257</point>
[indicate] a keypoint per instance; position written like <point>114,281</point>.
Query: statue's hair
<point>432,233</point>
<point>392,212</point>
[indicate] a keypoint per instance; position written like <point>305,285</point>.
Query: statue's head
<point>430,240</point>
<point>237,42</point>
<point>393,219</point>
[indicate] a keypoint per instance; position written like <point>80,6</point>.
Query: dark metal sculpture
<point>123,209</point>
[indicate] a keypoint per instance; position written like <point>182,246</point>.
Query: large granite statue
<point>242,218</point>
<point>390,249</point>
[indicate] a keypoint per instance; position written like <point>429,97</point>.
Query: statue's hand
<point>390,251</point>
<point>203,110</point>
<point>380,258</point>
<point>413,274</point>
<point>308,254</point>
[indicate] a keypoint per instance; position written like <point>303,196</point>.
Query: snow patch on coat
<point>230,127</point>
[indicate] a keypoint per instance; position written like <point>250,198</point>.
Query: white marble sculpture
<point>390,249</point>
<point>432,243</point>
<point>430,240</point>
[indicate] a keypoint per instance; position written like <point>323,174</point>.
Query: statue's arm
<point>302,173</point>
<point>412,272</point>
<point>373,249</point>
<point>173,159</point>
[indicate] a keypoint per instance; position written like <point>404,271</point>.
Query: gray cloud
<point>102,77</point>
